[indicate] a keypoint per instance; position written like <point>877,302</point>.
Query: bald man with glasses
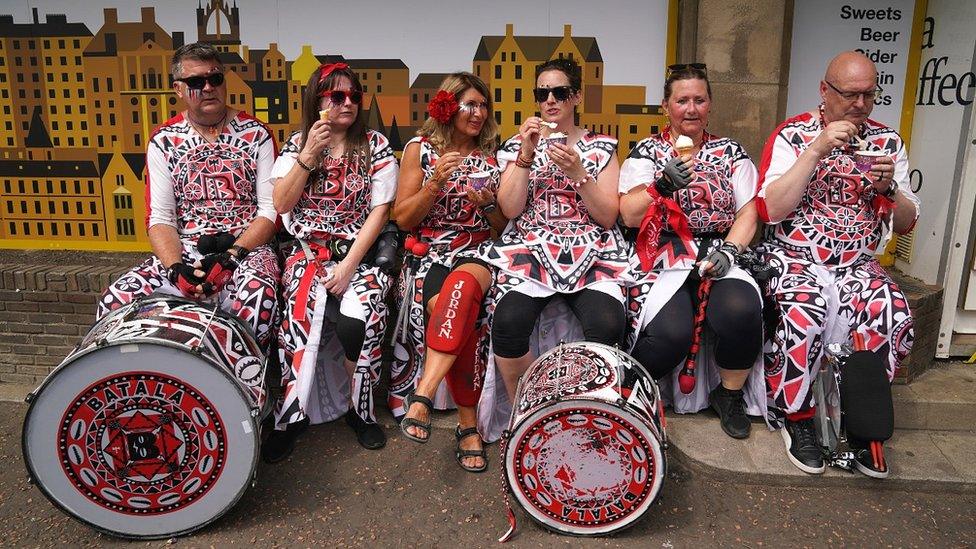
<point>826,219</point>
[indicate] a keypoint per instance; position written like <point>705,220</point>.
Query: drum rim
<point>33,477</point>
<point>186,301</point>
<point>615,350</point>
<point>508,472</point>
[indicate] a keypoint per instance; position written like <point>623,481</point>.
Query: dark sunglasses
<point>338,97</point>
<point>560,93</point>
<point>199,82</point>
<point>684,66</point>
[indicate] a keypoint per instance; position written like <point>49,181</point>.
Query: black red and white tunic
<point>828,282</point>
<point>723,182</point>
<point>200,188</point>
<point>335,203</point>
<point>554,246</point>
<point>456,229</point>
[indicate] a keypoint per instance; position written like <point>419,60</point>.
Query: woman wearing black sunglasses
<point>561,192</point>
<point>695,212</point>
<point>446,198</point>
<point>335,180</point>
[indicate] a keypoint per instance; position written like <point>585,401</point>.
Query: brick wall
<point>926,304</point>
<point>44,312</point>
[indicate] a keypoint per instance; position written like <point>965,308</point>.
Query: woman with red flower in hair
<point>333,185</point>
<point>446,199</point>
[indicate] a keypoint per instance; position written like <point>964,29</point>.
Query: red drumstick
<point>686,379</point>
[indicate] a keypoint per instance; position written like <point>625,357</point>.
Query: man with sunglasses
<point>826,220</point>
<point>209,210</point>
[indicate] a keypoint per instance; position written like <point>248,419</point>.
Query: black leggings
<point>351,333</point>
<point>733,314</point>
<point>602,317</point>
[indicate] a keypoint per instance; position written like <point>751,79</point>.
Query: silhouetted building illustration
<point>220,25</point>
<point>424,87</point>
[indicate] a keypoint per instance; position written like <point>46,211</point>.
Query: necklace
<point>210,130</point>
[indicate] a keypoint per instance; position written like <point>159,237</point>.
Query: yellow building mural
<point>78,105</point>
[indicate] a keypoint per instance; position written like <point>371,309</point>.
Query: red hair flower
<point>443,106</point>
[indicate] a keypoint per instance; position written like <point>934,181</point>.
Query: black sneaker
<point>731,410</point>
<point>280,444</point>
<point>369,435</point>
<point>802,447</point>
<point>864,460</point>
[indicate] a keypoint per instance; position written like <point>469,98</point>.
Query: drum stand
<point>829,419</point>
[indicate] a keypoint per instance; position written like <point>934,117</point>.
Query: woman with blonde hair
<point>446,200</point>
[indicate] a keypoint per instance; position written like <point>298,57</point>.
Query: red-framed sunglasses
<point>338,97</point>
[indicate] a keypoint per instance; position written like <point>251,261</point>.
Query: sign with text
<point>879,29</point>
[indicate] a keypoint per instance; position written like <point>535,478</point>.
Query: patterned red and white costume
<point>455,229</point>
<point>203,188</point>
<point>723,181</point>
<point>554,246</point>
<point>827,281</point>
<point>334,204</point>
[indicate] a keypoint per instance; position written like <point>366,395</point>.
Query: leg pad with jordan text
<point>455,313</point>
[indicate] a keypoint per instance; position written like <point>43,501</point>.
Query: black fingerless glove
<point>675,176</point>
<point>722,259</point>
<point>181,275</point>
<point>218,269</point>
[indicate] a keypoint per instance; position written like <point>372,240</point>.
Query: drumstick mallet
<point>416,249</point>
<point>686,379</point>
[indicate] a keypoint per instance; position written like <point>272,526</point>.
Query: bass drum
<point>586,451</point>
<point>150,428</point>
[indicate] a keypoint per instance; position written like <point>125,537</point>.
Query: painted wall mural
<point>80,96</point>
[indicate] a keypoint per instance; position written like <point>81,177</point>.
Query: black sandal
<point>410,422</point>
<point>460,454</point>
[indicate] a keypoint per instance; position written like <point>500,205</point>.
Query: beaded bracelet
<point>304,166</point>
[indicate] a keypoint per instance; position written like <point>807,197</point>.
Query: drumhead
<point>584,467</point>
<point>141,440</point>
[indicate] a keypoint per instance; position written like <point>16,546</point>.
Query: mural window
<point>132,81</point>
<point>40,228</point>
<point>379,89</point>
<point>654,129</point>
<point>426,98</point>
<point>78,188</point>
<point>54,126</point>
<point>79,209</point>
<point>118,227</point>
<point>365,89</point>
<point>518,94</point>
<point>108,86</point>
<point>50,93</point>
<point>10,206</point>
<point>20,187</point>
<point>498,95</point>
<point>111,118</point>
<point>50,189</point>
<point>84,140</point>
<point>498,71</point>
<point>3,77</point>
<point>518,69</point>
<point>596,72</point>
<point>504,57</point>
<point>13,228</point>
<point>61,44</point>
<point>94,229</point>
<point>155,118</point>
<point>91,187</point>
<point>76,43</point>
<point>16,44</point>
<point>67,110</point>
<point>50,77</point>
<point>68,125</point>
<point>84,125</point>
<point>414,113</point>
<point>35,186</point>
<point>26,226</point>
<point>66,93</point>
<point>67,229</point>
<point>135,117</point>
<point>54,229</point>
<point>633,128</point>
<point>119,180</point>
<point>19,62</point>
<point>518,117</point>
<point>50,206</point>
<point>47,44</point>
<point>37,206</point>
<point>101,140</point>
<point>54,109</point>
<point>498,117</point>
<point>35,78</point>
<point>137,139</point>
<point>379,76</point>
<point>20,78</point>
<point>414,98</point>
<point>64,208</point>
<point>81,229</point>
<point>478,70</point>
<point>92,208</point>
<point>79,77</point>
<point>64,60</point>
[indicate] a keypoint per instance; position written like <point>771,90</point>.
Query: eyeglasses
<point>338,97</point>
<point>851,96</point>
<point>472,106</point>
<point>199,82</point>
<point>685,66</point>
<point>560,93</point>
